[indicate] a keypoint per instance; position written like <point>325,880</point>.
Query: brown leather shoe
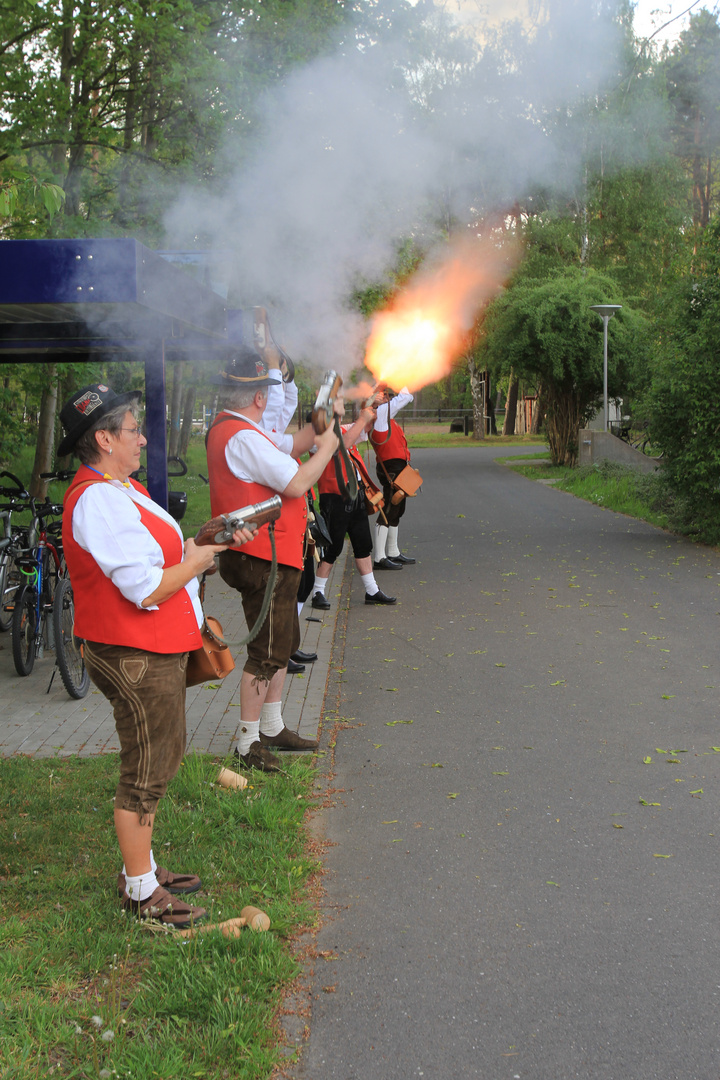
<point>166,909</point>
<point>288,740</point>
<point>258,757</point>
<point>178,884</point>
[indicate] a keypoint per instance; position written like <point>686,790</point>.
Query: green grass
<point>427,438</point>
<point>616,487</point>
<point>623,490</point>
<point>177,1009</point>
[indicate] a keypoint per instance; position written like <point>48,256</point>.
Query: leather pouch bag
<point>213,660</point>
<point>407,482</point>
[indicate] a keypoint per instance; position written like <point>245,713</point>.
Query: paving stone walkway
<point>39,719</point>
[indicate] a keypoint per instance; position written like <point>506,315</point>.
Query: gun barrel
<point>219,530</point>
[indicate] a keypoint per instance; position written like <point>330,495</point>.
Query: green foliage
<point>546,333</point>
<point>117,106</point>
<point>17,189</point>
<point>684,400</point>
<point>692,69</point>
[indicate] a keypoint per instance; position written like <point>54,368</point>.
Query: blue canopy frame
<point>110,300</point>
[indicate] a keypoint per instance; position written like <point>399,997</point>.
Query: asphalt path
<point>522,860</point>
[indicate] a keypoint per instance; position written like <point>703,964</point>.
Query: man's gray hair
<point>236,398</point>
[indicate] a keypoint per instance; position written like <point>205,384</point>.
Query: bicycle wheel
<point>7,588</point>
<point>68,648</point>
<point>24,627</point>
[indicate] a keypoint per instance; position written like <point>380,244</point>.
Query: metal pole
<point>605,319</point>
<point>155,423</point>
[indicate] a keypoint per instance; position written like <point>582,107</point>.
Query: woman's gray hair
<point>235,398</point>
<point>86,448</point>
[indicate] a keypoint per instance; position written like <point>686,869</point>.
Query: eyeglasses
<point>133,431</point>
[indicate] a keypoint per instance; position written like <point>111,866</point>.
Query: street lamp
<point>606,312</point>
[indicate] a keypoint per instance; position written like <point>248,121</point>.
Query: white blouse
<point>106,523</point>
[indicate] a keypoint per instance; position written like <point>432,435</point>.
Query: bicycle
<point>177,500</point>
<point>10,579</point>
<point>43,610</point>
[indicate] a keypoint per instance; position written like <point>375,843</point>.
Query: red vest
<point>102,613</point>
<point>228,493</point>
<point>327,484</point>
<point>393,448</point>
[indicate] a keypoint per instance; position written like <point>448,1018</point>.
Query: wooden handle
<point>250,916</point>
<point>229,928</point>
<point>255,918</point>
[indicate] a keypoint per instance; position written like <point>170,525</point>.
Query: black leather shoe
<point>258,757</point>
<point>288,740</point>
<point>380,598</point>
<point>319,601</point>
<point>404,559</point>
<point>293,668</point>
<point>304,657</point>
<point>387,564</point>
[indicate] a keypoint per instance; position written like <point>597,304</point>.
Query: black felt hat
<point>85,407</point>
<point>243,367</point>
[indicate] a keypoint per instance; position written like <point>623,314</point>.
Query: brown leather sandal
<point>164,908</point>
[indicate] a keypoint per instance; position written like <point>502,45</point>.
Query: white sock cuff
<point>392,541</point>
<point>371,585</point>
<point>381,532</point>
<point>249,734</point>
<point>319,586</point>
<point>142,887</point>
<point>271,721</point>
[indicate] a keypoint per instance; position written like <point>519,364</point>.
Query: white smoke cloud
<point>359,150</point>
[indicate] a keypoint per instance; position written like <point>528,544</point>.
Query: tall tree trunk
<point>175,407</point>
<point>46,435</point>
<point>477,387</point>
<point>537,412</point>
<point>491,413</point>
<point>511,406</point>
<point>563,426</point>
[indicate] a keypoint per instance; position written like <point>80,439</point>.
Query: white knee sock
<point>371,585</point>
<point>319,586</point>
<point>392,542</point>
<point>301,605</point>
<point>381,535</point>
<point>142,887</point>
<point>271,721</point>
<point>249,734</point>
